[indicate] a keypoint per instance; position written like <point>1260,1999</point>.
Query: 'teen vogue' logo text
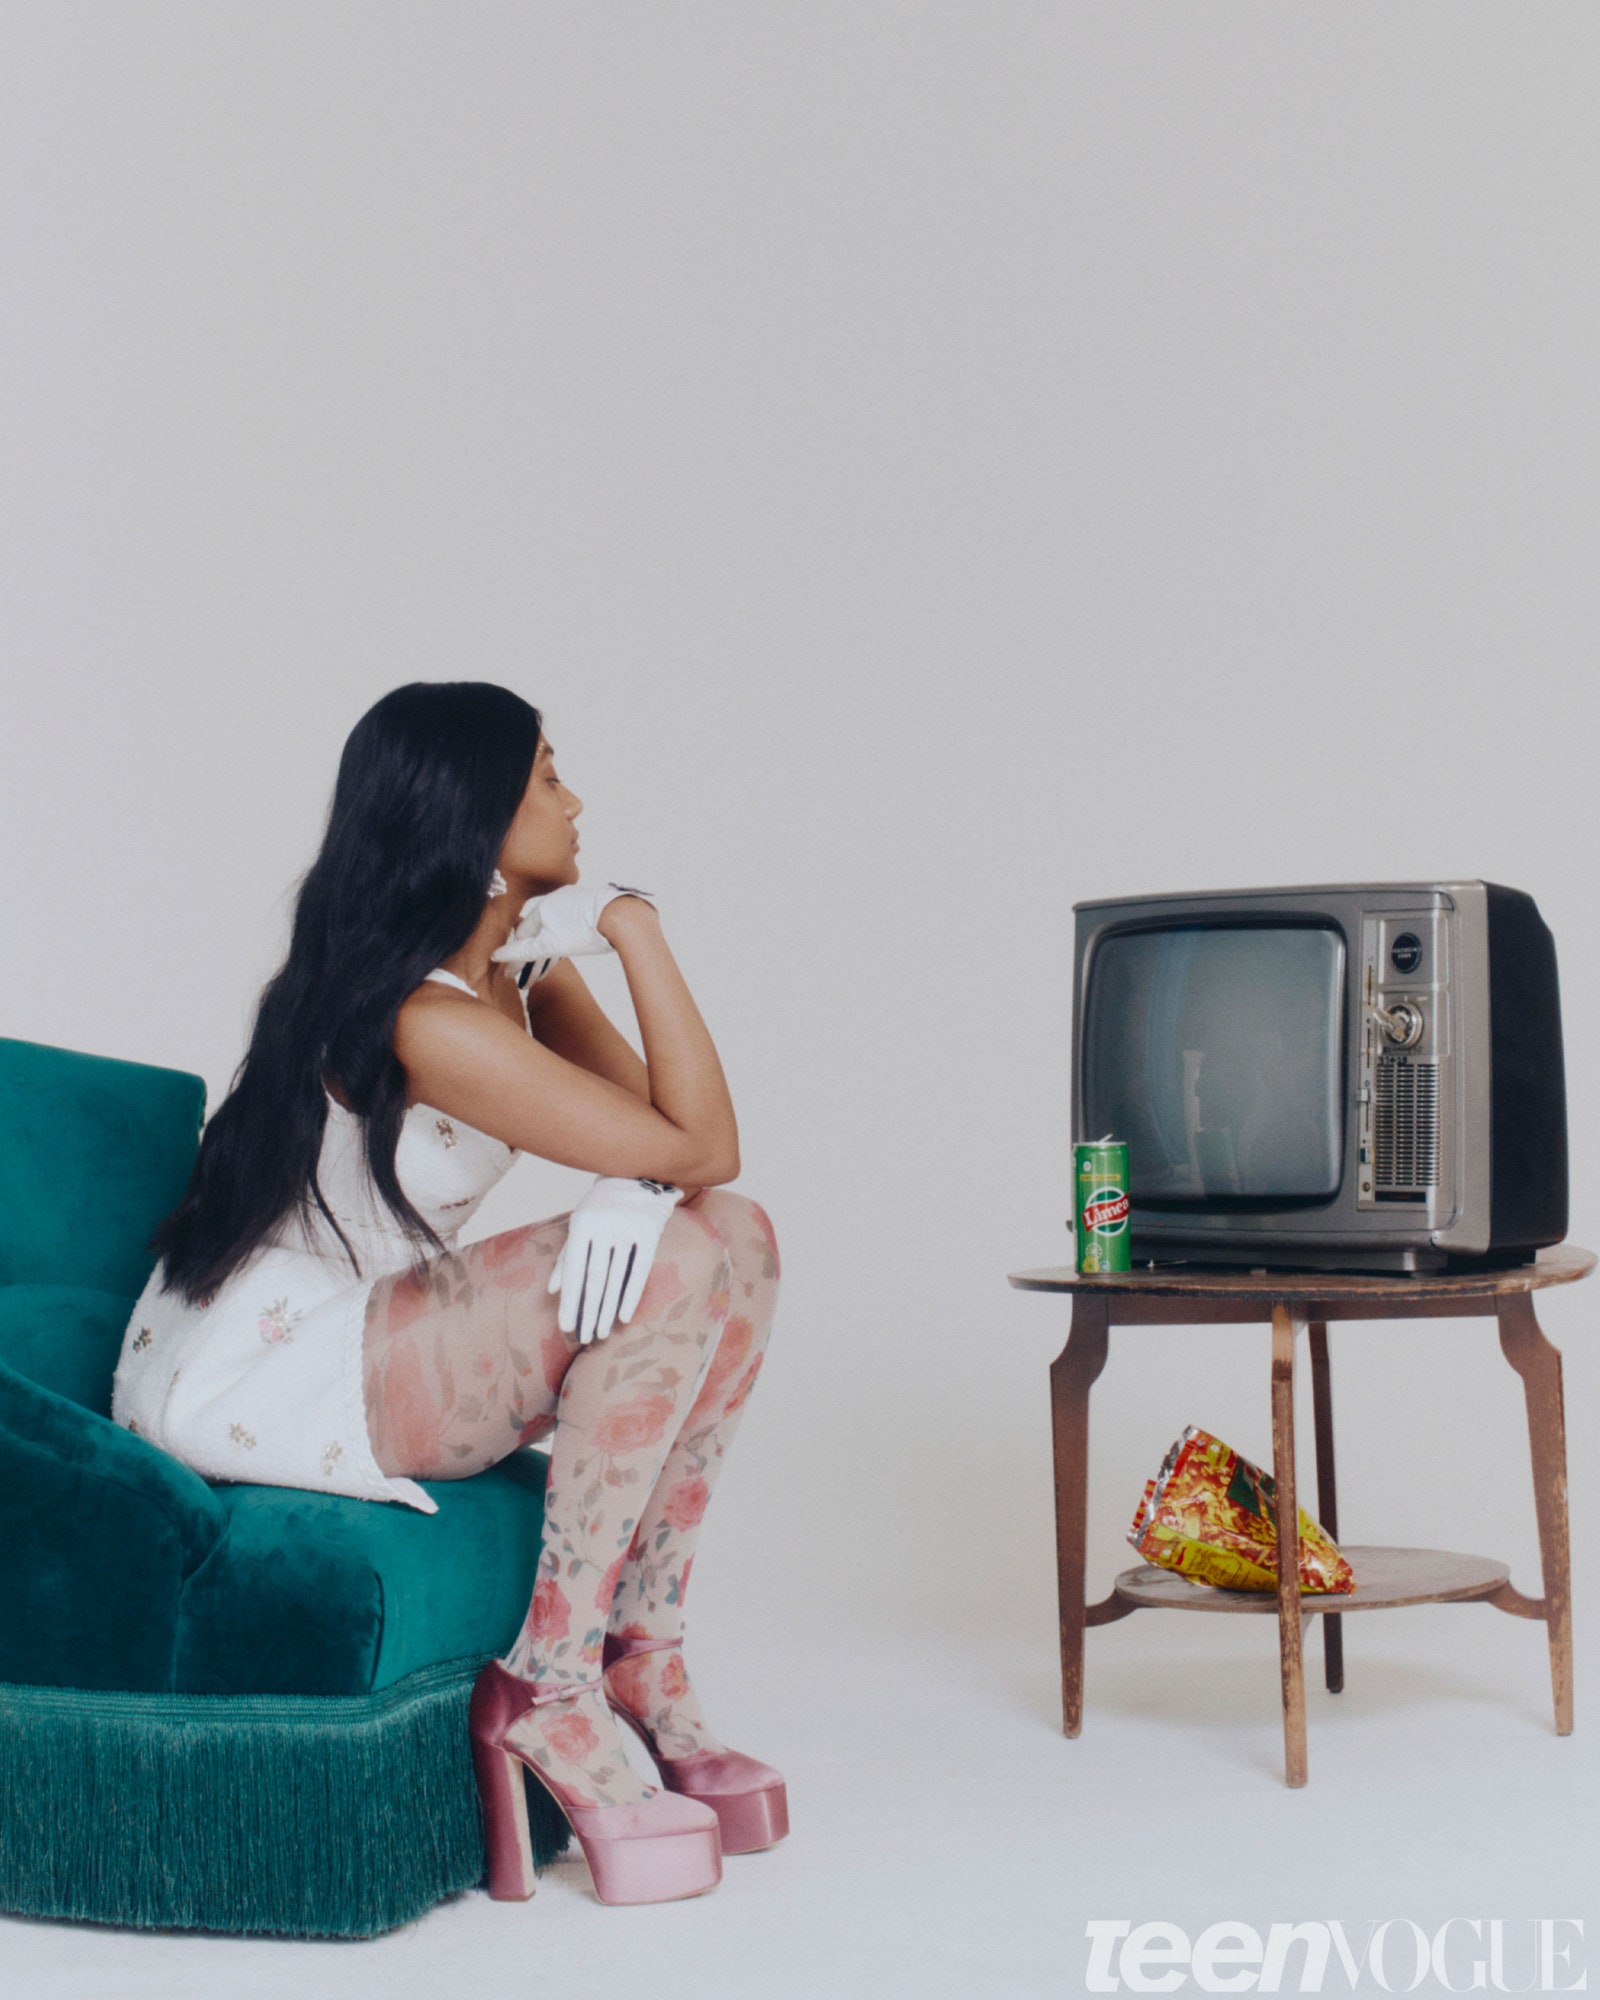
<point>1463,1955</point>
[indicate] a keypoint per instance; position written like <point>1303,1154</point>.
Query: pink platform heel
<point>749,1798</point>
<point>653,1852</point>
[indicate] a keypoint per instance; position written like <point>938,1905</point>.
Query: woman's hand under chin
<point>564,923</point>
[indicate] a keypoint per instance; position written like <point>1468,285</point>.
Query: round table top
<point>1563,1264</point>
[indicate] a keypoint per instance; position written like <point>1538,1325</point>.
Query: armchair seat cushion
<point>313,1593</point>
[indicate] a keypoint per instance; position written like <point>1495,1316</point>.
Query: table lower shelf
<point>1385,1579</point>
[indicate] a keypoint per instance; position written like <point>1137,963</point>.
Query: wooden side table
<point>1384,1577</point>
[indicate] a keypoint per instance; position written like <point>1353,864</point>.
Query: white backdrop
<point>930,463</point>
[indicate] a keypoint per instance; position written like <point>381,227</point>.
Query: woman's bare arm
<point>471,1062</point>
<point>566,1017</point>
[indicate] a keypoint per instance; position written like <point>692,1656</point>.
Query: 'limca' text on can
<point>1100,1207</point>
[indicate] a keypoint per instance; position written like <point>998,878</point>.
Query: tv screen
<point>1216,1052</point>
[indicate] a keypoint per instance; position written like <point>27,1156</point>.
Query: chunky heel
<point>654,1852</point>
<point>508,1849</point>
<point>507,1846</point>
<point>749,1798</point>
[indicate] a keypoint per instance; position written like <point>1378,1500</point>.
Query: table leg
<point>1072,1375</point>
<point>1539,1364</point>
<point>1284,1327</point>
<point>1327,1494</point>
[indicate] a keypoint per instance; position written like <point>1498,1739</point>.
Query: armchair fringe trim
<point>310,1816</point>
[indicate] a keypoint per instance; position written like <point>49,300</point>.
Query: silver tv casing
<point>1357,1229</point>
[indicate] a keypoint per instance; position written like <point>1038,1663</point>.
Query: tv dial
<point>1402,1023</point>
<point>1405,954</point>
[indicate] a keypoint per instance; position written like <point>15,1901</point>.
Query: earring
<point>498,884</point>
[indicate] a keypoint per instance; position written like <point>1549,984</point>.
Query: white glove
<point>561,924</point>
<point>605,1261</point>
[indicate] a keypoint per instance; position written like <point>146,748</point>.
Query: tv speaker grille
<point>1405,1128</point>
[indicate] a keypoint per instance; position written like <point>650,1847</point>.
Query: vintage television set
<point>1359,1077</point>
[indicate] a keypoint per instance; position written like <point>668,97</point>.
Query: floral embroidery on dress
<point>142,1339</point>
<point>276,1321</point>
<point>330,1458</point>
<point>445,1130</point>
<point>465,1202</point>
<point>241,1436</point>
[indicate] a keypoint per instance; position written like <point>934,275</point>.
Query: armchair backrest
<point>99,1531</point>
<point>93,1152</point>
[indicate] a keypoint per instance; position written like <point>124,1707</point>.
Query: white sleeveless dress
<point>263,1383</point>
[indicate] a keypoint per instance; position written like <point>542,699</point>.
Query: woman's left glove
<point>605,1261</point>
<point>562,923</point>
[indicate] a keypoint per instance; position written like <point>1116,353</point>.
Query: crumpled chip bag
<point>1208,1514</point>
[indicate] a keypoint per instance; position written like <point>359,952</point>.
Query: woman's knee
<point>691,1262</point>
<point>740,1221</point>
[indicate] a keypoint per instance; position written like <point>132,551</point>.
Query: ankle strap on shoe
<point>619,1648</point>
<point>561,1690</point>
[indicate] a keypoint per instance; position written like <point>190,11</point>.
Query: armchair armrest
<point>98,1532</point>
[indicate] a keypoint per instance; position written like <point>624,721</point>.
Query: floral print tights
<point>464,1367</point>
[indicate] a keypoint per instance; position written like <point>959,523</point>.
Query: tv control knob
<point>1402,1024</point>
<point>1405,954</point>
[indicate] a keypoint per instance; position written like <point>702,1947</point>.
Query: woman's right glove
<point>561,924</point>
<point>611,1243</point>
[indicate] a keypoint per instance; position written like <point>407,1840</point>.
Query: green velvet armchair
<point>226,1707</point>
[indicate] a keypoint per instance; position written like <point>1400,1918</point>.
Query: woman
<point>313,1321</point>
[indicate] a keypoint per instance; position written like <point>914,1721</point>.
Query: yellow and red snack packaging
<point>1208,1514</point>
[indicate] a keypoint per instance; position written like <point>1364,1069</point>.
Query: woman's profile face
<point>541,844</point>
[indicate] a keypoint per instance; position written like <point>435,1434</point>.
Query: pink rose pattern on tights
<point>648,1602</point>
<point>464,1368</point>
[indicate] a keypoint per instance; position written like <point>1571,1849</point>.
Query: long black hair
<point>429,782</point>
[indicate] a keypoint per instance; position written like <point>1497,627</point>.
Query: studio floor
<point>947,1839</point>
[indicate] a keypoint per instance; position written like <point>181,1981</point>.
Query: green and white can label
<point>1100,1207</point>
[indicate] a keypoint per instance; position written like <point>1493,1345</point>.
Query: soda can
<point>1100,1209</point>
